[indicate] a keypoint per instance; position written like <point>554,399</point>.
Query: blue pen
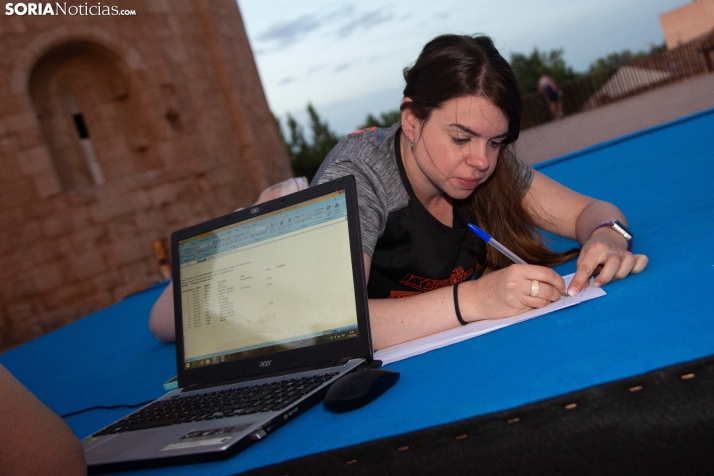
<point>489,240</point>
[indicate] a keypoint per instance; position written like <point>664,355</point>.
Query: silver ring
<point>535,287</point>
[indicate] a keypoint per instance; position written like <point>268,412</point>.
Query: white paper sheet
<point>461,333</point>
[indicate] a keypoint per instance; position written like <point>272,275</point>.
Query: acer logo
<point>265,363</point>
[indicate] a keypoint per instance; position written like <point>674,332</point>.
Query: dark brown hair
<point>452,66</point>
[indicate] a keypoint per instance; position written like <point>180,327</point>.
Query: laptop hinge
<point>342,362</point>
<point>242,378</point>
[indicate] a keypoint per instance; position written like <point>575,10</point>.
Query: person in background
<point>450,162</point>
<point>549,88</point>
<point>34,440</point>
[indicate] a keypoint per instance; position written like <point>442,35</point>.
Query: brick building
<point>687,23</point>
<point>116,130</point>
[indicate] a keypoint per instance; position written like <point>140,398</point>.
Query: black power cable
<point>103,407</point>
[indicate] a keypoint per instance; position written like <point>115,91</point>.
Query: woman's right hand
<point>507,292</point>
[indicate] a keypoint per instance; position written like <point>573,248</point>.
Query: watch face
<point>618,224</point>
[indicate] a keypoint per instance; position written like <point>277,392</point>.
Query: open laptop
<point>270,308</point>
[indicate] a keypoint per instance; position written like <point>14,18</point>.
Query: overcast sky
<point>346,58</point>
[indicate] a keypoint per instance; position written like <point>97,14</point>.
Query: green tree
<point>306,156</point>
<point>614,60</point>
<point>529,68</point>
<point>386,119</point>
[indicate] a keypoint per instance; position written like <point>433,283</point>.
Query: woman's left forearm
<point>561,211</point>
<point>595,213</point>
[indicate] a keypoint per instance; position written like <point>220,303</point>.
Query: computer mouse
<point>358,388</point>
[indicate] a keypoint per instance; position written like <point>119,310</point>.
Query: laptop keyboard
<point>219,404</point>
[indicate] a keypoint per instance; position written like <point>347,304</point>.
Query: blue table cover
<point>662,178</point>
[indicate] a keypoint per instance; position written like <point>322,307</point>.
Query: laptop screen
<point>276,282</point>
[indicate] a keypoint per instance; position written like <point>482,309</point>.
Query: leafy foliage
<point>306,156</point>
<point>386,119</point>
<point>529,68</point>
<point>615,60</point>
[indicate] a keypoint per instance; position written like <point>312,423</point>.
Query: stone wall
<point>115,131</point>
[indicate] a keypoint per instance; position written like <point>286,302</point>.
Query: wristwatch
<point>619,227</point>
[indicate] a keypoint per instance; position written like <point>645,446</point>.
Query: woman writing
<point>447,163</point>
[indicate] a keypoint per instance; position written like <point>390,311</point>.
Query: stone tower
<point>117,128</point>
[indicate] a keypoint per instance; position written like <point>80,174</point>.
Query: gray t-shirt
<point>369,156</point>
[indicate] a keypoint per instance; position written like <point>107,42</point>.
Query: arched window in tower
<point>85,142</point>
<point>88,108</point>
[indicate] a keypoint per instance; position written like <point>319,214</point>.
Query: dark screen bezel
<point>321,354</point>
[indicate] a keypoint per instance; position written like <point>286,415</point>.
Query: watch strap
<point>619,228</point>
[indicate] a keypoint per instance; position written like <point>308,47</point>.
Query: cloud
<point>287,33</point>
<point>341,67</point>
<point>346,11</point>
<point>346,19</point>
<point>315,69</point>
<point>286,80</point>
<point>365,22</point>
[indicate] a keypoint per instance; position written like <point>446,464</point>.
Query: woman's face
<point>457,148</point>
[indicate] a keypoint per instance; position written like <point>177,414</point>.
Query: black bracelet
<point>456,305</point>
